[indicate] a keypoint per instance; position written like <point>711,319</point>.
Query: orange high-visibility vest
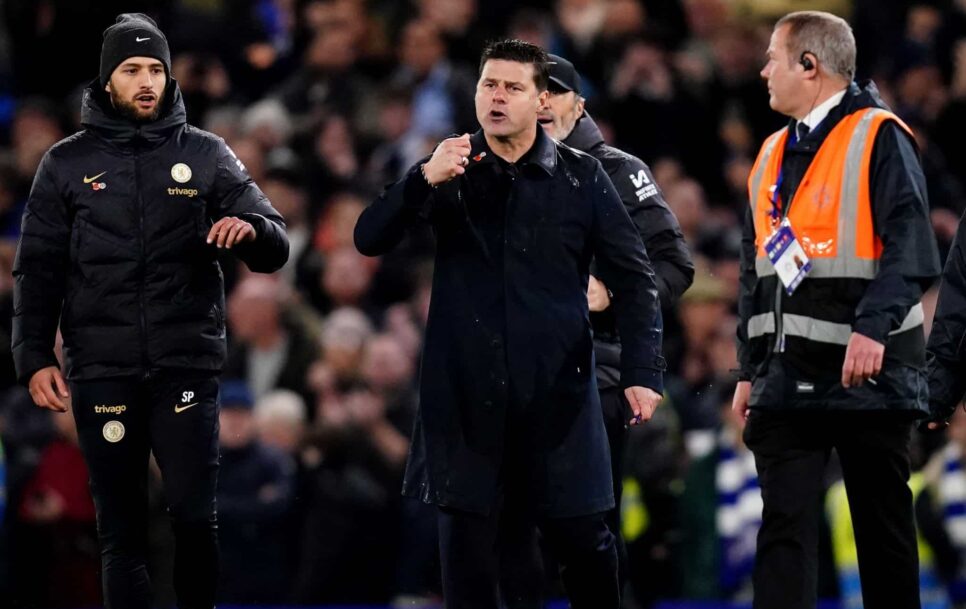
<point>830,213</point>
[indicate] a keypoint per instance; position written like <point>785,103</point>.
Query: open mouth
<point>496,115</point>
<point>146,100</point>
<point>545,120</point>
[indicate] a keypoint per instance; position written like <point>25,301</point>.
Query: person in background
<point>280,420</point>
<point>565,119</point>
<point>256,488</point>
<point>268,346</point>
<point>56,505</point>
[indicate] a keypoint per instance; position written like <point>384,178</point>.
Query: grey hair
<point>280,405</point>
<point>824,35</point>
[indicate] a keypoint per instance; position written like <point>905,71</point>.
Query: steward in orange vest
<point>831,342</point>
<point>855,195</point>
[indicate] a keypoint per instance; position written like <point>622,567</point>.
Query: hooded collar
<point>542,154</point>
<point>99,115</point>
<point>585,135</point>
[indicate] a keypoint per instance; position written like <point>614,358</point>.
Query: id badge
<point>787,256</point>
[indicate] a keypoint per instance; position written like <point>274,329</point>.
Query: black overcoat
<point>507,378</point>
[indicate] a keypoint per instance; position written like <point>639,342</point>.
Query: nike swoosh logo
<point>179,409</point>
<point>136,39</point>
<point>88,180</point>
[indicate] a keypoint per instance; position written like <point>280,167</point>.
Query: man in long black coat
<point>510,421</point>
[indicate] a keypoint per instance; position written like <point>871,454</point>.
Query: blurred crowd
<point>325,101</point>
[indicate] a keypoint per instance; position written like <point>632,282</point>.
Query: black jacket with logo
<point>114,245</point>
<point>807,374</point>
<point>659,229</point>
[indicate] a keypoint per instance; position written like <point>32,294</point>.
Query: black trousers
<point>791,450</point>
<point>522,569</point>
<point>120,421</point>
<point>616,415</point>
<point>471,552</point>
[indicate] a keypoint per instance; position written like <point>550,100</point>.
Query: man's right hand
<point>739,404</point>
<point>449,160</point>
<point>48,389</point>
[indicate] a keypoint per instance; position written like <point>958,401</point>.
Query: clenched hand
<point>449,160</point>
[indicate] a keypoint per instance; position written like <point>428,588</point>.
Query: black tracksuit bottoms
<point>791,450</point>
<point>120,421</point>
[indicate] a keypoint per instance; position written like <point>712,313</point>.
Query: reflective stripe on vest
<point>818,330</point>
<point>828,268</point>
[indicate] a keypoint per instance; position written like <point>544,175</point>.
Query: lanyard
<point>776,203</point>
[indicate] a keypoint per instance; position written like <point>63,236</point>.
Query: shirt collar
<point>543,153</point>
<point>819,112</point>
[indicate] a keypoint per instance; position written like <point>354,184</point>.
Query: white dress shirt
<point>819,112</point>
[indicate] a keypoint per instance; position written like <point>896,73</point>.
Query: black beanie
<point>133,35</point>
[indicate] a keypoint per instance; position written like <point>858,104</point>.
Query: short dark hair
<point>521,52</point>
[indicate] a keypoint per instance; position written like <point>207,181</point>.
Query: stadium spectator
<point>255,493</point>
<point>268,348</point>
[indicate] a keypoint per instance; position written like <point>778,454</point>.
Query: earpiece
<point>806,62</point>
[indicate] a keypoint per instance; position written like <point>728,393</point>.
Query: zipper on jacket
<point>779,330</point>
<point>142,263</point>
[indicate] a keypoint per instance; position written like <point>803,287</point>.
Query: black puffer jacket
<point>113,245</point>
<point>655,222</point>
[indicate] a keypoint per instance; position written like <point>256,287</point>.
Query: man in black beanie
<point>119,246</point>
<point>135,35</point>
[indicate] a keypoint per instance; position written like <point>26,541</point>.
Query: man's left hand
<point>229,231</point>
<point>643,403</point>
<point>863,360</point>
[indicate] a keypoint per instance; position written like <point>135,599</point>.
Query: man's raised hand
<point>449,160</point>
